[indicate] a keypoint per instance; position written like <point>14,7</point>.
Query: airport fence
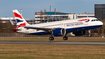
<point>20,35</point>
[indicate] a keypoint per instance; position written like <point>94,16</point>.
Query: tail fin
<point>19,19</point>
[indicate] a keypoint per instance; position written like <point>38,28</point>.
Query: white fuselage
<point>69,25</point>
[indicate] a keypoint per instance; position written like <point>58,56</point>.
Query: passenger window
<point>94,20</point>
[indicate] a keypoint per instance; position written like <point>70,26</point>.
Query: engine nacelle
<point>59,32</point>
<point>78,33</point>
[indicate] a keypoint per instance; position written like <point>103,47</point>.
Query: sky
<point>29,7</point>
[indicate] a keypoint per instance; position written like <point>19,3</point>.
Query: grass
<point>39,51</point>
<point>34,51</point>
<point>71,39</point>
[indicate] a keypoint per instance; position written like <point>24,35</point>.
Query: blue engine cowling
<point>59,32</point>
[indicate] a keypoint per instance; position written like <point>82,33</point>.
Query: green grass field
<point>34,51</point>
<point>70,39</point>
<point>39,51</point>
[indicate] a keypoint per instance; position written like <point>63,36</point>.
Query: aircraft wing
<point>39,28</point>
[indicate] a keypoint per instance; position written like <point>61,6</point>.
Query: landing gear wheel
<point>65,38</point>
<point>51,38</point>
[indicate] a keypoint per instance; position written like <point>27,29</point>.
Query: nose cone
<point>101,23</point>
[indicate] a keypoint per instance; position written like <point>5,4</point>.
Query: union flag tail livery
<point>19,19</point>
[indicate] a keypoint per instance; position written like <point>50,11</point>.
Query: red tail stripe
<point>15,28</point>
<point>23,24</point>
<point>17,15</point>
<point>83,20</point>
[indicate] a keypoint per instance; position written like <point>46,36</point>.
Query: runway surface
<point>54,43</point>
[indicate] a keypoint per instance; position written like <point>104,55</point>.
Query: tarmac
<point>53,43</point>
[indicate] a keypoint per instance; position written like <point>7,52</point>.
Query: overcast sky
<point>29,7</point>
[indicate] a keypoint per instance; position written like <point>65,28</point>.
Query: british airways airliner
<point>57,28</point>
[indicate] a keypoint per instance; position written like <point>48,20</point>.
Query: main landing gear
<point>65,38</point>
<point>52,38</point>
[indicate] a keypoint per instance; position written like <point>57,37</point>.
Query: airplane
<point>75,27</point>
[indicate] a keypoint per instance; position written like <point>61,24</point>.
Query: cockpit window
<point>94,20</point>
<point>97,20</point>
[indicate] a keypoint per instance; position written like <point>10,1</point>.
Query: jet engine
<point>59,32</point>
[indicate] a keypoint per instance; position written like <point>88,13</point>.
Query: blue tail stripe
<point>19,20</point>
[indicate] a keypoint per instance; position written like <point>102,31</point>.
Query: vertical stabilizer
<point>19,19</point>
